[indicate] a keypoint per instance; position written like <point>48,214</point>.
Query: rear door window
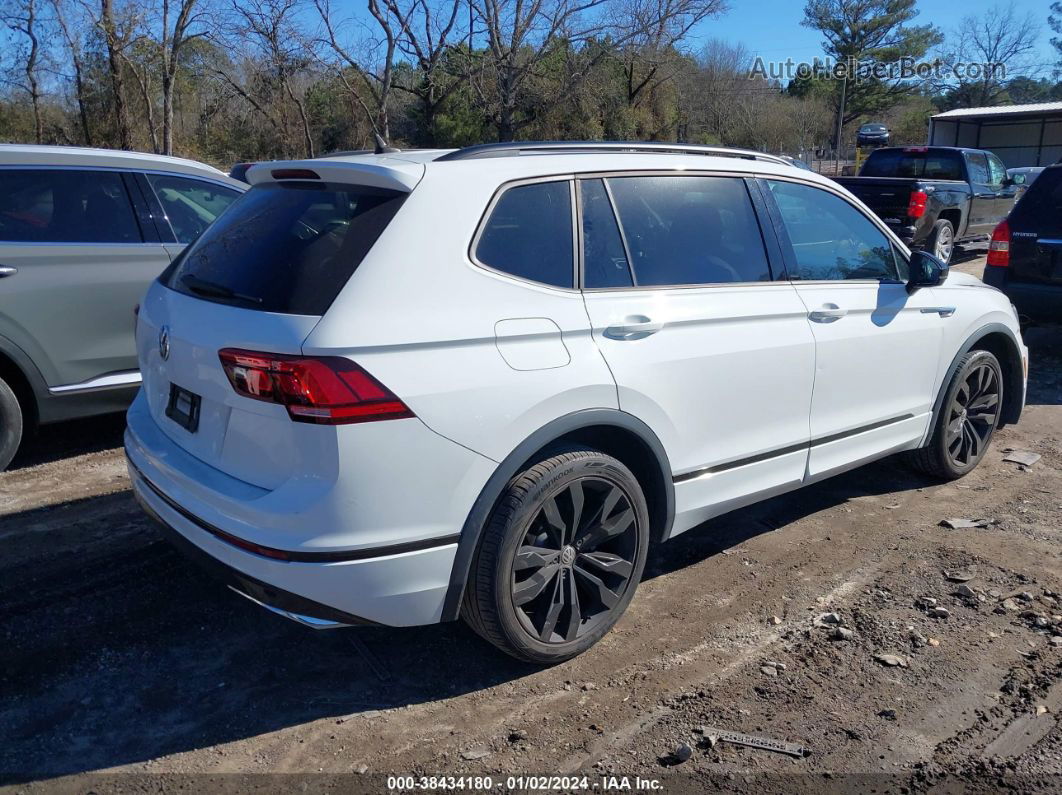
<point>689,230</point>
<point>529,234</point>
<point>831,240</point>
<point>604,254</point>
<point>65,206</point>
<point>285,247</point>
<point>191,205</point>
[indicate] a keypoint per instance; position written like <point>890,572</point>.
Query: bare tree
<point>520,36</point>
<point>987,47</point>
<point>64,12</point>
<point>377,81</point>
<point>23,17</point>
<point>430,29</point>
<point>658,27</point>
<point>175,37</point>
<point>270,28</point>
<point>116,38</point>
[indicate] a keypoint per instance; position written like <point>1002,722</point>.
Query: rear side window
<point>831,239</point>
<point>65,206</point>
<point>529,234</point>
<point>928,164</point>
<point>191,205</point>
<point>287,247</point>
<point>1040,208</point>
<point>688,230</point>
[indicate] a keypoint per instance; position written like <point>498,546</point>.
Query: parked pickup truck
<point>935,197</point>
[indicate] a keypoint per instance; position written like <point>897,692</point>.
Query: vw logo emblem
<point>164,343</point>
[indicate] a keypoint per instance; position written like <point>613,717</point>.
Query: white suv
<point>400,388</point>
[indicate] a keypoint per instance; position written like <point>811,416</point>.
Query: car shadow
<point>73,437</point>
<point>123,651</point>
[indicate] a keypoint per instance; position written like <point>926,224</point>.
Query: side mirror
<point>925,271</point>
<point>1008,181</point>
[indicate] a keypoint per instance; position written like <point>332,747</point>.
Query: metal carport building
<point>1021,135</point>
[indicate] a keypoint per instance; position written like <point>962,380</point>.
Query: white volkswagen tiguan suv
<point>401,388</point>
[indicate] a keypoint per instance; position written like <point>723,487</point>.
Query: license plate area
<point>183,408</point>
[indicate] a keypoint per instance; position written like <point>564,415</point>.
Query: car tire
<point>11,424</point>
<point>941,241</point>
<point>560,557</point>
<point>961,435</point>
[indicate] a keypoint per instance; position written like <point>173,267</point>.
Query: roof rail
<point>601,147</point>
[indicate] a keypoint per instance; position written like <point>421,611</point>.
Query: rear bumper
<point>1037,302</point>
<point>400,542</point>
<point>289,605</point>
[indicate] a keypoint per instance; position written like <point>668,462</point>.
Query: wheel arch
<point>954,215</point>
<point>611,431</point>
<point>1000,341</point>
<point>14,372</point>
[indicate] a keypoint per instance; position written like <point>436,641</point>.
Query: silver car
<point>83,232</point>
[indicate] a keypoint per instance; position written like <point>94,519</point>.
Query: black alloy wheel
<point>560,556</point>
<point>575,560</point>
<point>972,415</point>
<point>970,406</point>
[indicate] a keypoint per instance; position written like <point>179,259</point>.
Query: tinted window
<point>831,239</point>
<point>924,164</point>
<point>529,234</point>
<point>978,165</point>
<point>191,205</point>
<point>1040,208</point>
<point>604,258</point>
<point>285,247</point>
<point>690,230</point>
<point>61,206</point>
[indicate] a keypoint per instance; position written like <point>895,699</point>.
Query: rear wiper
<point>214,290</point>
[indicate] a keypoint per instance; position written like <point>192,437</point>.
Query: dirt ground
<point>124,667</point>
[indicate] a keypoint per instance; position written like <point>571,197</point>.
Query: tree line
<point>230,80</point>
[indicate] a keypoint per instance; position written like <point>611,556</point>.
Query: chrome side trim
<point>755,459</point>
<point>110,381</point>
<point>307,621</point>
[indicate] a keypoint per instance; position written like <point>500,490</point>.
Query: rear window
<point>285,247</point>
<point>932,164</point>
<point>1040,208</point>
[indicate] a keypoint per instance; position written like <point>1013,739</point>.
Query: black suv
<point>1025,254</point>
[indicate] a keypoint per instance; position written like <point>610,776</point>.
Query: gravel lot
<point>119,658</point>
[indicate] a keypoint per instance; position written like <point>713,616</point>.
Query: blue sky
<point>771,28</point>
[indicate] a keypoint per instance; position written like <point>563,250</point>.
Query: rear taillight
<point>999,246</point>
<point>326,390</point>
<point>916,205</point>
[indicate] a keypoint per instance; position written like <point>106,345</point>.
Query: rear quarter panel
<point>481,358</point>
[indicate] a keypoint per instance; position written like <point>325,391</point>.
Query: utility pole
<point>840,127</point>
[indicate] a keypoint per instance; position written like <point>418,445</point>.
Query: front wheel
<point>560,558</point>
<point>968,416</point>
